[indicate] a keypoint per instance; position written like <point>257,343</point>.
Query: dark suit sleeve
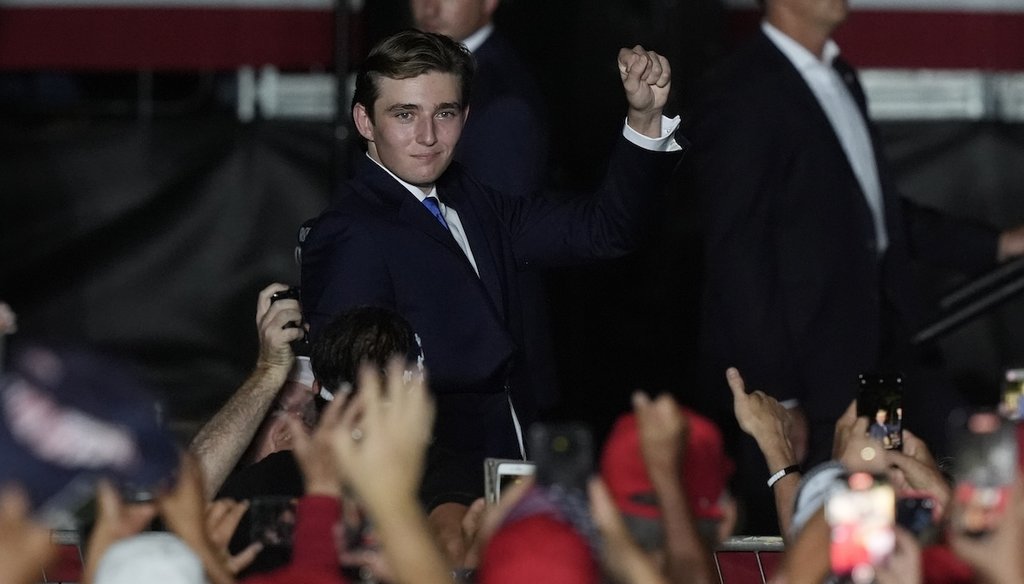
<point>607,224</point>
<point>947,241</point>
<point>739,169</point>
<point>342,267</point>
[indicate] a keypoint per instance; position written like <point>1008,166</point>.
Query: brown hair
<point>411,53</point>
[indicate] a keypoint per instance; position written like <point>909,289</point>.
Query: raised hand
<point>183,509</point>
<point>271,321</point>
<point>622,557</point>
<point>222,517</point>
<point>321,470</point>
<point>763,418</point>
<point>115,521</point>
<point>853,447</point>
<point>646,78</point>
<point>25,545</point>
<point>382,438</point>
<point>663,429</point>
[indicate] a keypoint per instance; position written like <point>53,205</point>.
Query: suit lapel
<point>793,83</point>
<point>808,102</point>
<point>377,184</point>
<point>414,213</point>
<point>481,235</point>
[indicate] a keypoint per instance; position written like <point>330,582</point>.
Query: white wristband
<point>775,477</point>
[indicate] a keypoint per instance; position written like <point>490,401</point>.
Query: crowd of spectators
<point>84,448</point>
<point>326,465</point>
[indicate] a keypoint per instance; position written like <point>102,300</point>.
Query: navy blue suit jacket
<point>377,244</point>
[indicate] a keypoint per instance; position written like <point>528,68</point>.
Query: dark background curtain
<point>139,215</point>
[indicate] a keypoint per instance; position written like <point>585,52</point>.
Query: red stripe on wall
<point>926,40</point>
<point>163,38</point>
<point>224,38</point>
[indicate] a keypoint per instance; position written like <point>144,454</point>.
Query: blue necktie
<point>434,206</point>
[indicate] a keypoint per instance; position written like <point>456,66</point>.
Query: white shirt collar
<point>476,39</point>
<point>415,190</point>
<point>797,53</point>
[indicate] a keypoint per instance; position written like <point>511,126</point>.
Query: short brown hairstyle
<point>411,53</point>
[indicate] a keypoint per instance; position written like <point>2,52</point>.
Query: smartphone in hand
<point>861,516</point>
<point>563,453</point>
<point>1011,403</point>
<point>500,474</point>
<point>880,399</point>
<point>984,469</point>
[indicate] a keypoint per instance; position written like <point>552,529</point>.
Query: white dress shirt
<point>476,39</point>
<point>844,115</point>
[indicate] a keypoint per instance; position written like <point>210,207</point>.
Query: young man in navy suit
<point>417,233</point>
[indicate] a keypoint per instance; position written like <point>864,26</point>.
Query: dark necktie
<point>434,206</point>
<point>849,77</point>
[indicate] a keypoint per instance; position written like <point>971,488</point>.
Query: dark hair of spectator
<point>366,333</point>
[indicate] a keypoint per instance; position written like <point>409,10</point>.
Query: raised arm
<point>221,442</point>
<point>765,420</point>
<point>646,78</point>
<point>663,434</point>
<point>611,221</point>
<point>381,441</point>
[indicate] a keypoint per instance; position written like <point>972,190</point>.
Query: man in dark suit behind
<point>417,233</point>
<point>504,143</point>
<point>807,244</point>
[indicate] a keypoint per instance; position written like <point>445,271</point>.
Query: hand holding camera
<point>279,321</point>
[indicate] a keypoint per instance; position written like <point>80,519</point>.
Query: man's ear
<point>279,436</point>
<point>363,121</point>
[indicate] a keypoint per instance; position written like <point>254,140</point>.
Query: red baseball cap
<point>538,549</point>
<point>706,468</point>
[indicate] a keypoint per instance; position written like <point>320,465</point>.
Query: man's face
<point>416,124</point>
<point>455,18</point>
<point>829,13</point>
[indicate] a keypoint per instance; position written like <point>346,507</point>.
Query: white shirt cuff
<point>664,143</point>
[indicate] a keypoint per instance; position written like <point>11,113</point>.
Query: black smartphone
<point>984,467</point>
<point>880,399</point>
<point>293,292</point>
<point>861,515</point>
<point>563,454</point>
